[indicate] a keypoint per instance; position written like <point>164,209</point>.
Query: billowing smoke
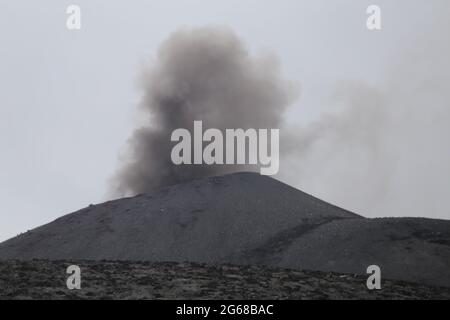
<point>385,150</point>
<point>201,74</point>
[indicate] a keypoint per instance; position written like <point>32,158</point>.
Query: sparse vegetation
<point>45,279</point>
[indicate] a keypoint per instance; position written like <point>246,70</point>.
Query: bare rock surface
<point>46,279</point>
<point>244,219</point>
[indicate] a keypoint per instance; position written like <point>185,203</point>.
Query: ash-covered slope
<point>208,220</point>
<point>242,218</point>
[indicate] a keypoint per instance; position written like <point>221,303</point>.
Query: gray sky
<point>68,98</point>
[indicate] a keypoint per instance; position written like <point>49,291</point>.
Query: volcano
<point>242,219</point>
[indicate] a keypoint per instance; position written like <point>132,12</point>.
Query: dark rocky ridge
<point>243,218</point>
<point>46,279</point>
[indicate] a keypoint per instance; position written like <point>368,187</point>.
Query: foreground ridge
<point>40,279</point>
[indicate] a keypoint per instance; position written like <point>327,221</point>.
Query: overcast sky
<point>68,98</point>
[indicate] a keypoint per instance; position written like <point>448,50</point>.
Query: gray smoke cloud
<point>385,149</point>
<point>199,74</point>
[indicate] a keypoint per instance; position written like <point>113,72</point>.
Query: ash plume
<point>200,74</point>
